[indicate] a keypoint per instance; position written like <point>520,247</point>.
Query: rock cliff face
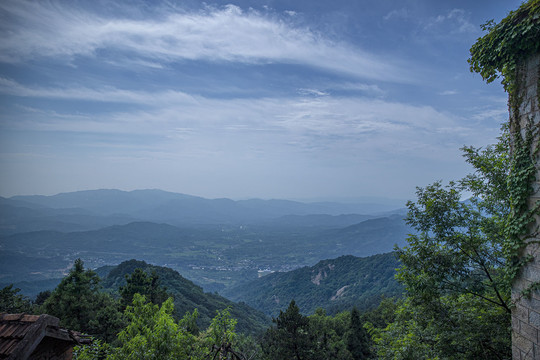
<point>334,285</point>
<point>526,314</point>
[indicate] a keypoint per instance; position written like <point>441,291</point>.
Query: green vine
<point>501,52</point>
<point>521,176</point>
<point>506,44</point>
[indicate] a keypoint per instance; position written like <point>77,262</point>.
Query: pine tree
<point>290,338</point>
<point>80,306</point>
<point>357,337</point>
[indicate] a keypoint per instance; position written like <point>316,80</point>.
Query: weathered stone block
<point>522,343</point>
<point>521,312</point>
<point>528,332</point>
<point>534,318</point>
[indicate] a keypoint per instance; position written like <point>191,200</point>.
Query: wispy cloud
<point>43,29</point>
<point>454,22</point>
<point>448,92</point>
<point>104,94</point>
<point>306,123</point>
<point>402,13</point>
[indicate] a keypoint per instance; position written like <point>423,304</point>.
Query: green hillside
<point>188,296</point>
<point>334,285</point>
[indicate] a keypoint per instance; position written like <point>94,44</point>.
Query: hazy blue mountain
<point>319,220</point>
<point>181,209</point>
<point>18,216</point>
<point>105,201</point>
<point>373,236</point>
<point>335,285</point>
<point>132,238</point>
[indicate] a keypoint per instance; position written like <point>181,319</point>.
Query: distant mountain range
<point>92,209</point>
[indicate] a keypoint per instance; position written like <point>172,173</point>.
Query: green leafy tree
<point>97,350</point>
<point>458,299</point>
<point>152,334</point>
<point>80,306</point>
<point>220,339</point>
<point>13,302</point>
<point>328,336</point>
<point>141,283</point>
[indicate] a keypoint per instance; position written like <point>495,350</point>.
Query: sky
<point>304,99</point>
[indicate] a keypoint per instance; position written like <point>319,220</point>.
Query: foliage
<point>13,302</point>
<point>97,350</point>
<point>316,337</point>
<point>458,303</point>
<point>452,328</point>
<point>289,339</point>
<point>42,296</point>
<point>141,283</point>
<point>522,175</point>
<point>503,50</point>
<point>220,341</point>
<point>506,43</point>
<point>152,334</point>
<point>188,296</point>
<point>79,304</point>
<point>328,336</point>
<point>358,340</point>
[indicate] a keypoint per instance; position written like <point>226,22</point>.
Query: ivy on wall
<point>507,43</point>
<point>501,52</point>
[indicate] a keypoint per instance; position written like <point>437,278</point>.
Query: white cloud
<point>448,92</point>
<point>397,14</point>
<point>313,92</point>
<point>455,22</point>
<point>106,94</point>
<point>40,29</point>
<point>305,123</point>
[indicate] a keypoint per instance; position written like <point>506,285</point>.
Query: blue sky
<point>304,99</point>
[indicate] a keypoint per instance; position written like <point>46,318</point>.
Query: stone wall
<point>526,314</point>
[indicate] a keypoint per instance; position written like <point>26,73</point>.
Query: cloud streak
<point>36,30</point>
<point>303,123</point>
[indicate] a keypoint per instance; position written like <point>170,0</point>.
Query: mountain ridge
<point>178,208</point>
<point>333,284</point>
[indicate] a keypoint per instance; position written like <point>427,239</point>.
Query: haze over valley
<point>217,243</point>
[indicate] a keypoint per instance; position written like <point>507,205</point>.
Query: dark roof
<point>20,334</point>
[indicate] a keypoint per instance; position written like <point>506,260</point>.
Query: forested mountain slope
<point>335,285</point>
<point>188,296</point>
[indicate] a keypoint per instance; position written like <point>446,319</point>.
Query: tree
<point>328,336</point>
<point>13,302</point>
<point>80,306</point>
<point>141,283</point>
<point>220,340</point>
<point>458,299</point>
<point>152,334</point>
<point>358,340</point>
<point>289,339</point>
<point>42,296</point>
